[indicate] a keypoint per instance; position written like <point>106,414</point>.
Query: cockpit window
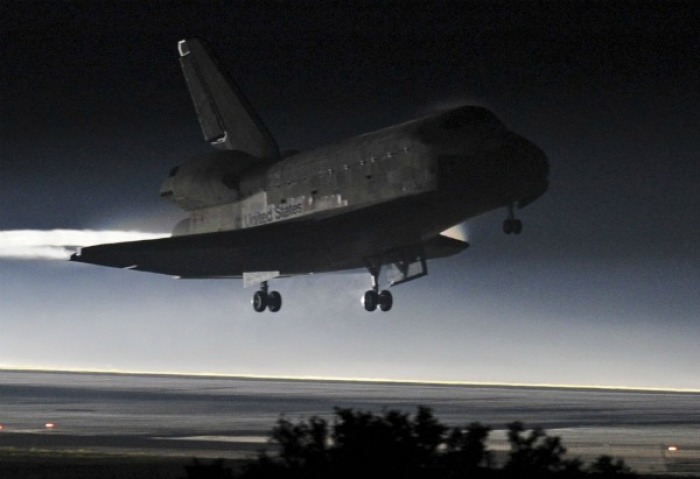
<point>461,122</point>
<point>469,116</point>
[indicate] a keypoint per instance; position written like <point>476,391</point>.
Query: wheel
<point>259,301</point>
<point>370,300</point>
<point>386,300</point>
<point>274,301</point>
<point>517,227</point>
<point>508,226</point>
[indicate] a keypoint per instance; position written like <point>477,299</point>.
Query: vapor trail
<point>60,244</point>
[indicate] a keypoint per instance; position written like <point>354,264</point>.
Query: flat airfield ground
<point>153,425</point>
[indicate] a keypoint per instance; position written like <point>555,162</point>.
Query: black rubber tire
<point>274,301</point>
<point>517,227</point>
<point>370,300</point>
<point>259,301</point>
<point>386,300</point>
<point>508,227</point>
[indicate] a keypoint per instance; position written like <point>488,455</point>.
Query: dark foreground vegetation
<point>363,445</point>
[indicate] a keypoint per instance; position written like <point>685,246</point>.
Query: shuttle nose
<point>526,160</point>
<point>508,163</point>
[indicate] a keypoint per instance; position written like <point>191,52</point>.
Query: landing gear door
<point>258,277</point>
<point>406,270</point>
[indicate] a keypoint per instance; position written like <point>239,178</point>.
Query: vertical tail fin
<point>227,119</point>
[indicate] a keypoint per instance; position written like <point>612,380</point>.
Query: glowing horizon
<point>406,381</point>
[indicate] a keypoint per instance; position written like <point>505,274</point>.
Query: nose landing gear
<point>263,299</point>
<point>512,225</point>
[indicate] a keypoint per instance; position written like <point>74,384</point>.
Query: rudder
<point>228,121</point>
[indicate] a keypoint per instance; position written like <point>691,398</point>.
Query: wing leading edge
<point>305,248</point>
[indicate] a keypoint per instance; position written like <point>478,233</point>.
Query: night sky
<point>602,287</point>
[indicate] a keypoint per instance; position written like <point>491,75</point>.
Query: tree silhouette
<point>304,445</point>
<point>607,466</point>
<point>466,451</point>
<point>390,445</point>
<point>215,470</point>
<point>364,445</point>
<point>536,454</point>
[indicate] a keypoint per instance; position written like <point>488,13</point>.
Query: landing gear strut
<point>262,299</point>
<point>373,297</point>
<point>512,225</point>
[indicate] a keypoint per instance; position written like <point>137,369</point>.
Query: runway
<point>212,417</point>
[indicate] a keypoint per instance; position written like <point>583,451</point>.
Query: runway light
<point>50,425</point>
<point>672,448</point>
<point>1,427</point>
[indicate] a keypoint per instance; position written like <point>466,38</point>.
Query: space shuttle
<point>379,201</point>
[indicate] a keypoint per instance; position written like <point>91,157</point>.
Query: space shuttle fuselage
<point>381,198</point>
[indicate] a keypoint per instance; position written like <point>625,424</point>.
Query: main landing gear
<point>263,299</point>
<point>373,297</point>
<point>512,225</point>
